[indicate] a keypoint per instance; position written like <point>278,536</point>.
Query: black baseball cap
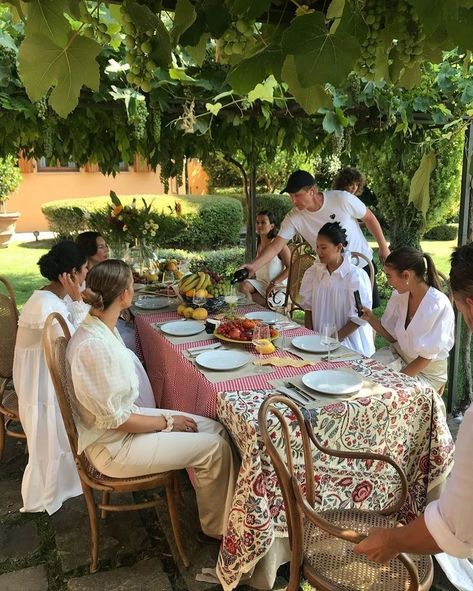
<point>298,180</point>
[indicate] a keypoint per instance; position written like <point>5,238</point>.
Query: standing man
<point>312,209</point>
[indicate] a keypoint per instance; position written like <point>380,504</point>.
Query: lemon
<point>188,312</point>
<point>265,347</point>
<point>180,309</point>
<point>201,293</point>
<point>200,314</point>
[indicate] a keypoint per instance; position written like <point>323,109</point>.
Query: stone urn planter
<point>7,227</point>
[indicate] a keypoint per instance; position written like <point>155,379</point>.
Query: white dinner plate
<point>150,302</point>
<point>222,360</point>
<point>313,344</point>
<point>182,328</point>
<point>333,381</point>
<point>263,316</point>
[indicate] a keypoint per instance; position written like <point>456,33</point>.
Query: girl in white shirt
<point>51,476</point>
<point>419,319</point>
<point>122,440</point>
<point>326,291</point>
<point>275,271</point>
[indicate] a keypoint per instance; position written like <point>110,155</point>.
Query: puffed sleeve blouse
<point>105,380</point>
<point>430,333</point>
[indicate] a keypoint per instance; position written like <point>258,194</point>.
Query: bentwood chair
<point>361,260</point>
<point>91,479</point>
<point>322,542</point>
<point>9,416</point>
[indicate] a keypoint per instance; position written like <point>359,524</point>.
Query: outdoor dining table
<point>391,414</point>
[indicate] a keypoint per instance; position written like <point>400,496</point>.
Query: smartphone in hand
<point>358,304</point>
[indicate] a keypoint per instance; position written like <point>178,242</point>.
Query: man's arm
<point>375,230</point>
<point>266,255</point>
<point>382,545</point>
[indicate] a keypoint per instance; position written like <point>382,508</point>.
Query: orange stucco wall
<point>39,187</point>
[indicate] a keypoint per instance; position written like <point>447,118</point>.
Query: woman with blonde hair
<point>122,440</point>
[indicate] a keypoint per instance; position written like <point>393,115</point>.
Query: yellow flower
<point>117,210</point>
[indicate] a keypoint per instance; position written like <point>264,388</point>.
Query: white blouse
<point>105,378</point>
<point>430,333</point>
<point>450,518</point>
<point>331,299</point>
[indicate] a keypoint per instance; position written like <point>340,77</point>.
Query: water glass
<point>329,338</point>
<point>261,337</point>
<point>231,298</point>
<point>168,279</point>
<point>282,323</point>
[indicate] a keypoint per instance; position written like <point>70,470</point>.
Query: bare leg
<point>246,288</point>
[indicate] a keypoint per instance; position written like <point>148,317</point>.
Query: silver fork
<point>299,390</point>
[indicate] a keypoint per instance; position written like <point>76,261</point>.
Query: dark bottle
<point>239,276</point>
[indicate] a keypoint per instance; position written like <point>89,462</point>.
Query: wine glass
<point>283,320</point>
<point>329,338</point>
<point>231,298</point>
<point>260,338</point>
<point>198,299</point>
<point>167,279</point>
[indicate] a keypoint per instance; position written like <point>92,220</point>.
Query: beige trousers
<point>208,452</point>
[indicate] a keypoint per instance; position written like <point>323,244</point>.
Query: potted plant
<point>10,179</point>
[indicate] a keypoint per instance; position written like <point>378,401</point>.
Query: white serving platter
<point>333,381</point>
<point>222,360</point>
<point>313,344</point>
<point>150,302</point>
<point>268,317</point>
<point>182,328</point>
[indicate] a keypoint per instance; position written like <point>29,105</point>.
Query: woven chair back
<point>361,260</point>
<point>8,328</point>
<point>302,258</point>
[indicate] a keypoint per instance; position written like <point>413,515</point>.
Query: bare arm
<point>285,256</point>
<point>416,366</point>
<point>347,330</point>
<point>308,319</point>
<point>382,545</point>
<point>266,254</point>
<point>136,423</point>
<point>376,324</point>
<point>375,230</point>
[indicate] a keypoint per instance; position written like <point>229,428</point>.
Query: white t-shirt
<point>430,333</point>
<point>331,299</point>
<point>338,206</point>
<point>450,518</point>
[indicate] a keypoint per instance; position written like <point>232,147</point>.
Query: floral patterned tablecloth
<point>405,421</point>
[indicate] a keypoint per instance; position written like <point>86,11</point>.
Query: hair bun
<point>93,298</point>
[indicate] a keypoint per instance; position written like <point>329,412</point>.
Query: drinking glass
<point>329,338</point>
<point>282,323</point>
<point>231,298</point>
<point>198,299</point>
<point>261,337</point>
<point>168,279</point>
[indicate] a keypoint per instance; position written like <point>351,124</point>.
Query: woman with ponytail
<point>122,440</point>
<point>51,475</point>
<point>419,319</point>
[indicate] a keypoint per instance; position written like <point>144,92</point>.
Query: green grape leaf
<point>460,27</point>
<point>310,99</point>
<point>257,8</point>
<point>331,123</point>
<point>143,17</point>
<point>248,73</point>
<point>44,65</point>
<point>264,91</point>
<point>419,193</point>
<point>352,23</point>
<point>411,77</point>
<point>197,52</point>
<point>193,34</point>
<point>162,52</point>
<point>430,13</point>
<point>320,57</point>
<point>335,13</point>
<point>213,108</point>
<point>217,17</point>
<point>47,18</point>
<point>184,17</point>
<point>6,40</point>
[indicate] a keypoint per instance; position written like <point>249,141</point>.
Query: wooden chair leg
<point>176,530</point>
<point>94,536</point>
<point>105,501</point>
<point>2,435</point>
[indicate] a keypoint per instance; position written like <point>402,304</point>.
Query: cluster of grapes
<point>139,45</point>
<point>374,17</point>
<point>95,29</point>
<point>48,131</point>
<point>7,57</point>
<point>138,120</point>
<point>239,38</point>
<point>156,118</point>
<point>410,45</point>
<point>42,108</point>
<point>218,289</point>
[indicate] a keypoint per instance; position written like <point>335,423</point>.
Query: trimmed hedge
<point>224,262</point>
<point>207,222</point>
<point>442,232</point>
<point>278,204</point>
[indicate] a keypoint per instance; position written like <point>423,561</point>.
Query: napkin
<point>283,362</point>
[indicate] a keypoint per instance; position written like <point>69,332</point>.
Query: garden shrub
<point>224,261</point>
<point>278,204</point>
<point>66,220</point>
<point>217,225</point>
<point>442,232</point>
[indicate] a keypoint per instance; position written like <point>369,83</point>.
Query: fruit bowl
<point>212,305</point>
<point>226,331</point>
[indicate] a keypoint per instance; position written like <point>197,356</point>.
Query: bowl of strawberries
<point>240,330</point>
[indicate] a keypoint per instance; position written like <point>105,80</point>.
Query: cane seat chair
<point>322,542</point>
<point>9,417</point>
<point>361,260</point>
<point>91,479</point>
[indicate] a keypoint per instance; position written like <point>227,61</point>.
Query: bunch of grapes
<point>95,29</point>
<point>138,120</point>
<point>42,108</point>
<point>238,39</point>
<point>7,57</point>
<point>139,46</point>
<point>48,130</point>
<point>374,17</point>
<point>156,118</point>
<point>410,42</point>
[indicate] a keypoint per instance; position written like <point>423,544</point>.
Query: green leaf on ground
<point>419,193</point>
<point>184,17</point>
<point>310,99</point>
<point>44,65</point>
<point>47,18</point>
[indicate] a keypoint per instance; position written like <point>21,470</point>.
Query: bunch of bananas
<point>195,281</point>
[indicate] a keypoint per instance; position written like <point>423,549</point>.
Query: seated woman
<point>274,272</point>
<point>122,440</point>
<point>327,291</point>
<point>94,247</point>
<point>51,475</point>
<point>418,320</point>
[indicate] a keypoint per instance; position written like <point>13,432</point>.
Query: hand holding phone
<point>358,304</point>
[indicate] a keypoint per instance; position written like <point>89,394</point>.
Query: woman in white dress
<point>122,440</point>
<point>275,271</point>
<point>418,320</point>
<point>51,475</point>
<point>327,291</point>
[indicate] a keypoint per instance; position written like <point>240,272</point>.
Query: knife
<point>292,395</point>
<point>300,391</point>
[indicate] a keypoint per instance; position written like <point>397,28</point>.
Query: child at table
<point>419,319</point>
<point>122,440</point>
<point>326,292</point>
